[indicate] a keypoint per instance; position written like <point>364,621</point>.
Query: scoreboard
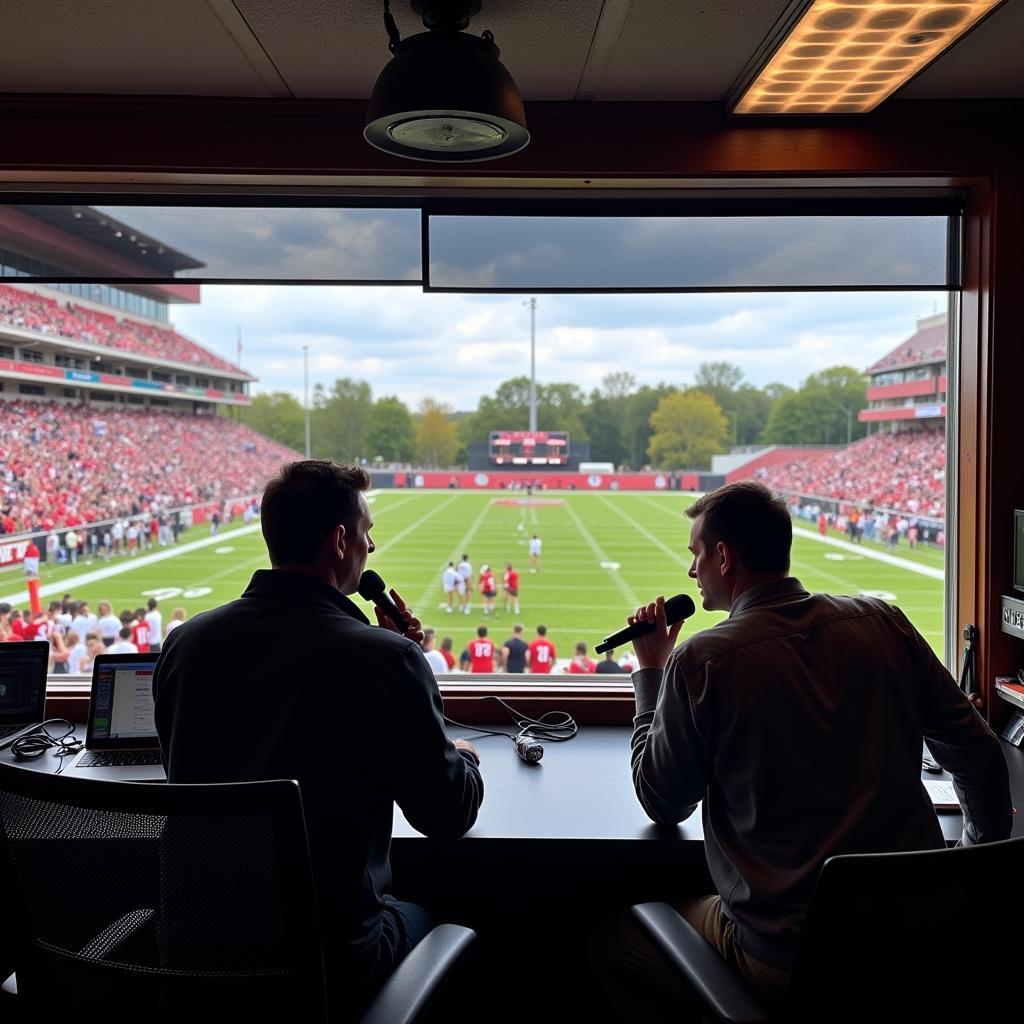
<point>528,448</point>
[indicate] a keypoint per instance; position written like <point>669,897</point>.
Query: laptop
<point>22,688</point>
<point>121,743</point>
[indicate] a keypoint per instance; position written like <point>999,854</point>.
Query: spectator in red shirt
<point>446,652</point>
<point>541,657</point>
<point>481,652</point>
<point>580,662</point>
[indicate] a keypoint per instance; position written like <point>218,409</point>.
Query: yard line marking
<point>878,556</point>
<point>844,545</point>
<point>624,588</point>
<point>128,565</point>
<point>391,541</point>
<point>685,562</point>
<point>461,546</point>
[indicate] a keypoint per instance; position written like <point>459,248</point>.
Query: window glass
<point>698,253</point>
<point>161,427</point>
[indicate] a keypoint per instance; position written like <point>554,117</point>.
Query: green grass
<point>578,598</point>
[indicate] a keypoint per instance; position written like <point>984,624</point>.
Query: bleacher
<point>64,465</point>
<point>905,471</point>
<point>42,314</point>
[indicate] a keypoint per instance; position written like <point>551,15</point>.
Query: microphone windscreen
<point>678,608</point>
<point>370,585</point>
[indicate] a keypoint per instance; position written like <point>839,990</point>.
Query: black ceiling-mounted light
<point>445,96</point>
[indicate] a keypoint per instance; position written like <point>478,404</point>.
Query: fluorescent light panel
<point>846,56</point>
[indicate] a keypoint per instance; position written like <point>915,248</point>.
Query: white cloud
<point>456,347</point>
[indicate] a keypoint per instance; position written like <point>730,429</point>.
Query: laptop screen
<point>122,701</point>
<point>23,682</point>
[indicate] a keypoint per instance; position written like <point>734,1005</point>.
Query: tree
<point>717,378</point>
<point>823,411</point>
<point>279,416</point>
<point>688,429</point>
<point>436,437</point>
<point>340,419</point>
<point>637,421</point>
<point>390,435</point>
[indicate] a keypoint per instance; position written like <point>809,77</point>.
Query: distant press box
<point>528,448</point>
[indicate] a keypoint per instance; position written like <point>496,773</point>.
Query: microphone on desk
<point>373,588</point>
<point>676,609</point>
<point>528,749</point>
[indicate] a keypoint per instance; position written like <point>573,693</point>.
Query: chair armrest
<point>419,977</point>
<point>697,962</point>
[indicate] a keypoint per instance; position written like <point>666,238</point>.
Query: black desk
<point>581,790</point>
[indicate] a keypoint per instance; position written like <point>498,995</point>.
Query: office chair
<point>898,936</point>
<point>126,901</point>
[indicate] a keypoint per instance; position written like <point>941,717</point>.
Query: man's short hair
<point>303,504</point>
<point>541,630</point>
<point>752,520</point>
<point>517,628</point>
<point>481,631</point>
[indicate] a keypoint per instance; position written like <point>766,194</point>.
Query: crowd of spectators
<point>66,465</point>
<point>905,472</point>
<point>41,314</point>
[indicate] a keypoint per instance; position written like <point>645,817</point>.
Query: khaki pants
<point>635,984</point>
<point>705,915</point>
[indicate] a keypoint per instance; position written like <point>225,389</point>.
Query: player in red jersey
<point>511,587</point>
<point>488,588</point>
<point>481,652</point>
<point>541,657</point>
<point>140,631</point>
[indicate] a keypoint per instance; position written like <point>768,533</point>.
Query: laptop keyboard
<point>118,758</point>
<point>7,730</point>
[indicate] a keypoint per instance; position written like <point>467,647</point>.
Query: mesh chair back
<point>915,935</point>
<point>160,898</point>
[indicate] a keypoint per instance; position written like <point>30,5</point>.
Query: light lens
<point>452,134</point>
<point>845,56</point>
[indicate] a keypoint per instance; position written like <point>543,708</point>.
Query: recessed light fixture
<point>847,56</point>
<point>445,96</point>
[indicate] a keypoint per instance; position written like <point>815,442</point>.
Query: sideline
<point>878,556</point>
<point>126,564</point>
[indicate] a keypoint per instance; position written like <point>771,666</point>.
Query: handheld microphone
<point>528,749</point>
<point>373,588</point>
<point>676,609</point>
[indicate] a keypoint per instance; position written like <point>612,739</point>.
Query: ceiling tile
<point>671,50</point>
<point>326,48</point>
<point>110,46</point>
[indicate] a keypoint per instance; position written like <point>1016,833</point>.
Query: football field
<point>603,554</point>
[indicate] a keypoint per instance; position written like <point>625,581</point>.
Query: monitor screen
<point>123,702</point>
<point>22,682</point>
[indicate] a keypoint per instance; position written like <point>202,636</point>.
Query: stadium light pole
<point>305,404</point>
<point>533,366</point>
<point>848,409</point>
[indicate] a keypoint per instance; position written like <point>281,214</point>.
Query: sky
<point>456,347</point>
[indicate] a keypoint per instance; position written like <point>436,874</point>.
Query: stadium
<point>113,422</point>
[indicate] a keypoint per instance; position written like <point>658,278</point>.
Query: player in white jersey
<point>451,580</point>
<point>465,571</point>
<point>535,543</point>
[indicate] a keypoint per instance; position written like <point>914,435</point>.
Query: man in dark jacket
<point>348,709</point>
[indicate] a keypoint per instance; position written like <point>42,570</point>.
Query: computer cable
<point>553,726</point>
<point>36,743</point>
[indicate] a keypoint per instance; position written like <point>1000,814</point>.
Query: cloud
<point>456,347</point>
